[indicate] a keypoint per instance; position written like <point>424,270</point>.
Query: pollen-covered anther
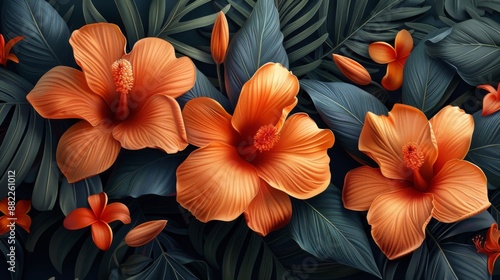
<point>413,156</point>
<point>266,137</point>
<point>123,75</point>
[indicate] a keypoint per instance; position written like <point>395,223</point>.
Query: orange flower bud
<point>145,232</point>
<point>220,38</point>
<point>352,69</point>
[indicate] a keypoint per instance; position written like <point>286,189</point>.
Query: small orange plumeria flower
<point>395,58</point>
<point>490,246</point>
<point>219,39</point>
<point>352,69</point>
<point>20,216</point>
<point>5,54</point>
<point>491,101</point>
<point>98,217</point>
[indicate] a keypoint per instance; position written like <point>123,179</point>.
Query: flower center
<point>124,81</point>
<point>413,156</point>
<point>266,137</point>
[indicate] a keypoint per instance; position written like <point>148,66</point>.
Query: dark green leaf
<point>457,9</point>
<point>484,150</point>
<point>472,47</point>
<point>90,13</point>
<point>87,252</point>
<point>324,228</point>
<point>257,42</point>
<point>41,223</point>
<point>343,107</point>
<point>442,231</point>
<point>156,16</point>
<point>131,19</point>
<point>425,79</point>
<point>61,243</point>
<point>75,195</point>
<point>46,42</point>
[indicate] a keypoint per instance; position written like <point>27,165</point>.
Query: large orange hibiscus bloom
<point>421,175</point>
<point>250,162</point>
<point>124,99</point>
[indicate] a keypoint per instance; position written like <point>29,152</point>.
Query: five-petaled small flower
<point>490,246</point>
<point>20,216</point>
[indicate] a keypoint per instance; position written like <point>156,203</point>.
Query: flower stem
<point>219,77</point>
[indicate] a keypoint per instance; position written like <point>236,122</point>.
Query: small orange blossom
<point>490,246</point>
<point>5,54</point>
<point>20,217</point>
<point>352,69</point>
<point>491,101</point>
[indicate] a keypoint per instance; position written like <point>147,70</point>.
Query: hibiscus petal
<point>85,151</point>
<point>116,212</point>
<point>265,99</point>
<point>453,131</point>
<point>102,235</point>
<point>459,190</point>
<point>393,78</point>
<point>23,206</point>
<point>381,52</point>
<point>491,104</point>
<point>144,233</point>
<point>383,138</point>
<point>158,124</point>
<point>62,93</point>
<point>24,221</point>
<point>299,164</point>
<point>398,221</point>
<point>97,203</point>
<point>79,218</point>
<point>270,210</point>
<point>158,71</point>
<point>96,46</point>
<point>206,121</point>
<point>363,184</point>
<point>214,183</point>
<point>403,44</point>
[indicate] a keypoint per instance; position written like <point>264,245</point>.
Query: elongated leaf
<point>457,9</point>
<point>46,36</point>
<point>484,150</point>
<point>343,107</point>
<point>87,252</point>
<point>61,243</point>
<point>143,172</point>
<point>472,47</point>
<point>90,13</point>
<point>442,231</point>
<point>257,42</point>
<point>203,87</point>
<point>425,79</point>
<point>322,221</point>
<point>131,19</point>
<point>75,195</point>
<point>40,225</point>
<point>156,16</point>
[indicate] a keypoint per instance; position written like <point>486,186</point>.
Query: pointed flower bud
<point>352,69</point>
<point>220,38</point>
<point>144,233</point>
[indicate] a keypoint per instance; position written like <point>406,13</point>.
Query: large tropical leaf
<point>472,47</point>
<point>75,195</point>
<point>484,150</point>
<point>324,228</point>
<point>343,107</point>
<point>257,42</point>
<point>46,42</point>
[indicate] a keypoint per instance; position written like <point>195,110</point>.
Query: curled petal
<point>491,101</point>
<point>352,69</point>
<point>270,210</point>
<point>11,43</point>
<point>206,122</point>
<point>398,221</point>
<point>220,38</point>
<point>79,218</point>
<point>24,221</point>
<point>102,235</point>
<point>459,190</point>
<point>403,44</point>
<point>97,203</point>
<point>381,52</point>
<point>363,184</point>
<point>116,212</point>
<point>214,183</point>
<point>299,164</point>
<point>393,78</point>
<point>84,151</point>
<point>158,124</point>
<point>144,233</point>
<point>23,207</point>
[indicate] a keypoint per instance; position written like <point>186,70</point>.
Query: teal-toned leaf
<point>88,251</point>
<point>156,16</point>
<point>257,42</point>
<point>203,88</point>
<point>40,225</point>
<point>457,9</point>
<point>456,261</point>
<point>425,79</point>
<point>343,107</point>
<point>190,51</point>
<point>484,150</point>
<point>62,242</point>
<point>141,172</point>
<point>135,264</point>
<point>324,228</point>
<point>131,19</point>
<point>442,231</point>
<point>90,13</point>
<point>164,267</point>
<point>493,5</point>
<point>46,36</point>
<point>473,48</point>
<point>494,197</point>
<point>75,195</point>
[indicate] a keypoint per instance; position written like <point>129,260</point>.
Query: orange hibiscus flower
<point>5,54</point>
<point>20,216</point>
<point>491,101</point>
<point>98,217</point>
<point>490,247</point>
<point>250,162</point>
<point>421,175</point>
<point>124,100</point>
<point>395,58</point>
